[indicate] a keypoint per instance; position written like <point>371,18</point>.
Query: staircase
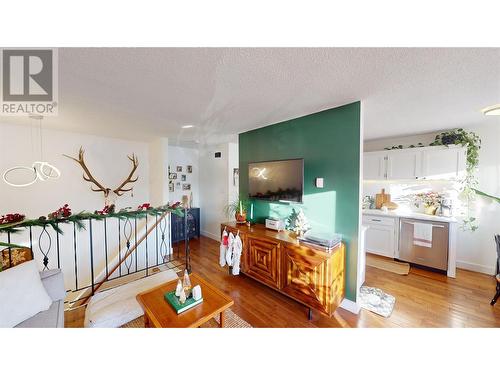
<point>108,253</point>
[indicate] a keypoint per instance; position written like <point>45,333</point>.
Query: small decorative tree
<point>298,223</point>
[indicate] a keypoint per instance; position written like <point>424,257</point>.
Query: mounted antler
<point>120,189</point>
<point>87,176</point>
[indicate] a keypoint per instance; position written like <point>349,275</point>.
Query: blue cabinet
<point>193,225</point>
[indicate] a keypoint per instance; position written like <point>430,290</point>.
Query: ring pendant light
<point>41,170</point>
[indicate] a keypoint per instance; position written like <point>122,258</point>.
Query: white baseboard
<point>215,237</point>
<point>350,306</point>
<point>489,270</point>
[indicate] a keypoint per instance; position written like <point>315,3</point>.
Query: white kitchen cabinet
<point>404,164</point>
<point>374,165</point>
<point>433,162</point>
<point>381,237</point>
<point>444,162</point>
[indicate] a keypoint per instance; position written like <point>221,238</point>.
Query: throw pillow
<point>22,294</point>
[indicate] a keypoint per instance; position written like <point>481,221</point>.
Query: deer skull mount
<point>108,193</point>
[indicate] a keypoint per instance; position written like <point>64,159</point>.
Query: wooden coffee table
<point>159,314</point>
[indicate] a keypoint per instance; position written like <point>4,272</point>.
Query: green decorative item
<point>179,306</point>
<point>400,147</point>
<point>483,194</point>
<point>54,219</point>
<point>419,144</point>
<point>473,143</point>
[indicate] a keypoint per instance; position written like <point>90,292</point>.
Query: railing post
<point>106,245</point>
<point>47,250</point>
<point>76,260</point>
<point>91,256</point>
<point>119,247</point>
<point>135,242</point>
<point>156,238</point>
<point>186,241</point>
<point>31,242</point>
<point>10,251</point>
<point>57,248</point>
<point>147,246</point>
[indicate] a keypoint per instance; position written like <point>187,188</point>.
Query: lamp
<point>41,169</point>
<point>492,110</point>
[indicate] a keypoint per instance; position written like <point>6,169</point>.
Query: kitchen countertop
<point>409,214</point>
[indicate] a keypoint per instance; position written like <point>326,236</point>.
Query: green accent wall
<point>329,143</point>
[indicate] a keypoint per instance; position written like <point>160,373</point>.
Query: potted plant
<point>469,182</point>
<point>430,200</point>
<point>238,209</point>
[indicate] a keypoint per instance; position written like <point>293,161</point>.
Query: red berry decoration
<point>61,213</point>
<point>106,210</point>
<point>11,218</point>
<point>144,206</point>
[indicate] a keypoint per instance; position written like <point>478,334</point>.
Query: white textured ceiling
<point>140,93</point>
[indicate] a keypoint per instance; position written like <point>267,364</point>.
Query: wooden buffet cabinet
<point>312,277</point>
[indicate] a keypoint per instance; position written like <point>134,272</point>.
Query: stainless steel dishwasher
<point>435,256</point>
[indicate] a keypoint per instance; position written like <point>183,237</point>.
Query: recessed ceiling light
<point>187,126</point>
<point>492,110</point>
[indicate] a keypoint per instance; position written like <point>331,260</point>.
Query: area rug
<point>232,321</point>
<point>401,268</point>
<point>375,300</point>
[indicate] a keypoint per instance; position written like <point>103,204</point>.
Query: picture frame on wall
<point>186,186</point>
<point>179,168</point>
<point>183,177</point>
<point>189,169</point>
<point>236,176</point>
<point>171,187</point>
<point>172,176</point>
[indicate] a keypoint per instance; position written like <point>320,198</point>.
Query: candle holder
<point>250,222</point>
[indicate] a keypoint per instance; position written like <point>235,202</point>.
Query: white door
<point>380,240</point>
<point>374,165</point>
<point>404,164</point>
<point>444,162</point>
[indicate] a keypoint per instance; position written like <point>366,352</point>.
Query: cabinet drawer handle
<point>376,220</point>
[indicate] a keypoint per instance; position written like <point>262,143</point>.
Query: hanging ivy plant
<point>473,143</point>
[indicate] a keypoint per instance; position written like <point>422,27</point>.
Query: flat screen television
<point>280,180</point>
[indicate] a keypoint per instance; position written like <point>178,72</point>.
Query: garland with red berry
<point>11,223</point>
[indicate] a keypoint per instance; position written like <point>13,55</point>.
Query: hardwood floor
<point>423,298</point>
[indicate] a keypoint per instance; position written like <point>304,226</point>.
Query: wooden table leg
<point>221,324</point>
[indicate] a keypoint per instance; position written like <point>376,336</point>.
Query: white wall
<point>216,181</point>
<point>158,163</point>
<point>184,156</point>
<point>105,157</point>
<point>476,250</point>
<point>107,160</point>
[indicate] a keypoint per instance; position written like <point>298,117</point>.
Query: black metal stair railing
<point>106,253</point>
